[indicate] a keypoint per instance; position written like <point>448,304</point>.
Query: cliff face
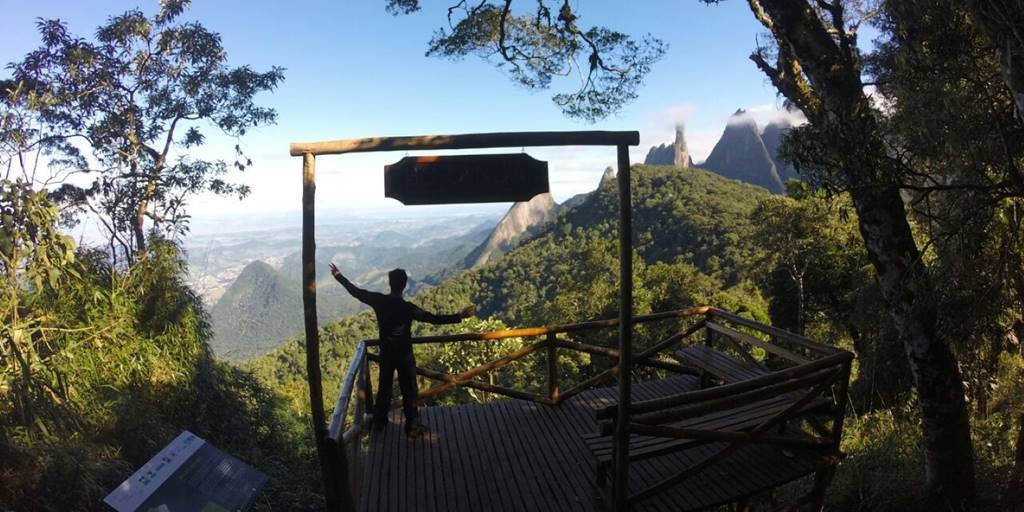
<point>741,155</point>
<point>675,154</point>
<point>522,219</point>
<point>772,136</point>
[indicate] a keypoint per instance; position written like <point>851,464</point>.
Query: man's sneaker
<point>415,430</point>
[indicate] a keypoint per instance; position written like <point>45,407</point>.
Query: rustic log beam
<point>743,352</point>
<point>842,397</point>
<point>731,389</point>
<point>506,391</point>
<point>589,383</point>
<point>552,363</point>
<point>641,359</point>
<point>620,438</point>
<point>333,465</point>
<point>727,436</point>
<point>755,434</point>
<point>484,368</point>
<point>746,338</point>
<point>795,339</point>
<point>345,393</point>
<point>727,402</point>
<point>543,331</point>
<point>467,141</point>
<point>479,384</point>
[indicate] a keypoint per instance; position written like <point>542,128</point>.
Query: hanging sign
<point>465,179</point>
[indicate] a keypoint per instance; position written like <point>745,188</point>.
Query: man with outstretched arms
<point>394,319</point>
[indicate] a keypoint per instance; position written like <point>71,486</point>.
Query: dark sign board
<point>465,179</point>
<point>189,474</point>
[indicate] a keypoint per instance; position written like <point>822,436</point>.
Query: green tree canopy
<point>125,105</point>
<point>545,43</point>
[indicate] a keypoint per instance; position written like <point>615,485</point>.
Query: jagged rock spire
<point>676,154</point>
<point>682,154</point>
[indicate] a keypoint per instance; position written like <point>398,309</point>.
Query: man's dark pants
<point>405,364</point>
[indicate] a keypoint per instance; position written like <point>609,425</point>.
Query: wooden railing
<point>350,418</point>
<point>810,378</point>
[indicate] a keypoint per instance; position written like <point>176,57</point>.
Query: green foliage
<point>537,46</point>
<point>101,367</point>
<point>137,98</point>
<point>34,258</point>
<point>455,358</point>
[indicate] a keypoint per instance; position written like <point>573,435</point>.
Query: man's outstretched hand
<point>468,312</point>
<point>334,271</point>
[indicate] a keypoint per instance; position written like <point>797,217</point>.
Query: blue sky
<point>354,71</point>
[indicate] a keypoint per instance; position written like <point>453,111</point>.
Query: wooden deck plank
<point>523,418</point>
<point>718,364</point>
<point>479,458</point>
<point>420,471</point>
<point>517,455</point>
<point>368,494</point>
<point>510,459</point>
<point>575,469</point>
<point>492,444</point>
<point>464,447</point>
<point>448,443</point>
<point>643,471</point>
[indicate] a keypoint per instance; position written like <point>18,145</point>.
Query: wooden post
<point>709,338</point>
<point>620,485</point>
<point>552,350</point>
<point>332,456</point>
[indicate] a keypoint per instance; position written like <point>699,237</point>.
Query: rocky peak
<point>741,154</point>
<point>607,178</point>
<point>772,136</point>
<point>522,219</point>
<point>676,154</point>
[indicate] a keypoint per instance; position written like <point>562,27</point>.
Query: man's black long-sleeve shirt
<point>394,318</point>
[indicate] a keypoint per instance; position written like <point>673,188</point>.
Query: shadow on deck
<point>516,455</point>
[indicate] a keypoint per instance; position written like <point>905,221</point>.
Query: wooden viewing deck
<point>743,409</point>
<point>517,455</point>
<point>768,406</point>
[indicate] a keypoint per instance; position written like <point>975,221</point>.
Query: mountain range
<point>263,304</point>
<point>744,152</point>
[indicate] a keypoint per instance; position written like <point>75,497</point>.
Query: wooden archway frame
<point>333,463</point>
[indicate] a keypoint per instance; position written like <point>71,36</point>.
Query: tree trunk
<point>139,228</point>
<point>832,96</point>
<point>148,193</point>
<point>949,455</point>
<point>1016,494</point>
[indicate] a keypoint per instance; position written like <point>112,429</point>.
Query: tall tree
<point>949,69</point>
<point>816,65</point>
<point>128,102</point>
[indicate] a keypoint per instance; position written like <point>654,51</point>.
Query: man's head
<point>397,279</point>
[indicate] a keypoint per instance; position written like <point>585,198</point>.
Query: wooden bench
<point>767,425</point>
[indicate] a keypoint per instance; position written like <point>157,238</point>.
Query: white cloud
<point>769,113</point>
